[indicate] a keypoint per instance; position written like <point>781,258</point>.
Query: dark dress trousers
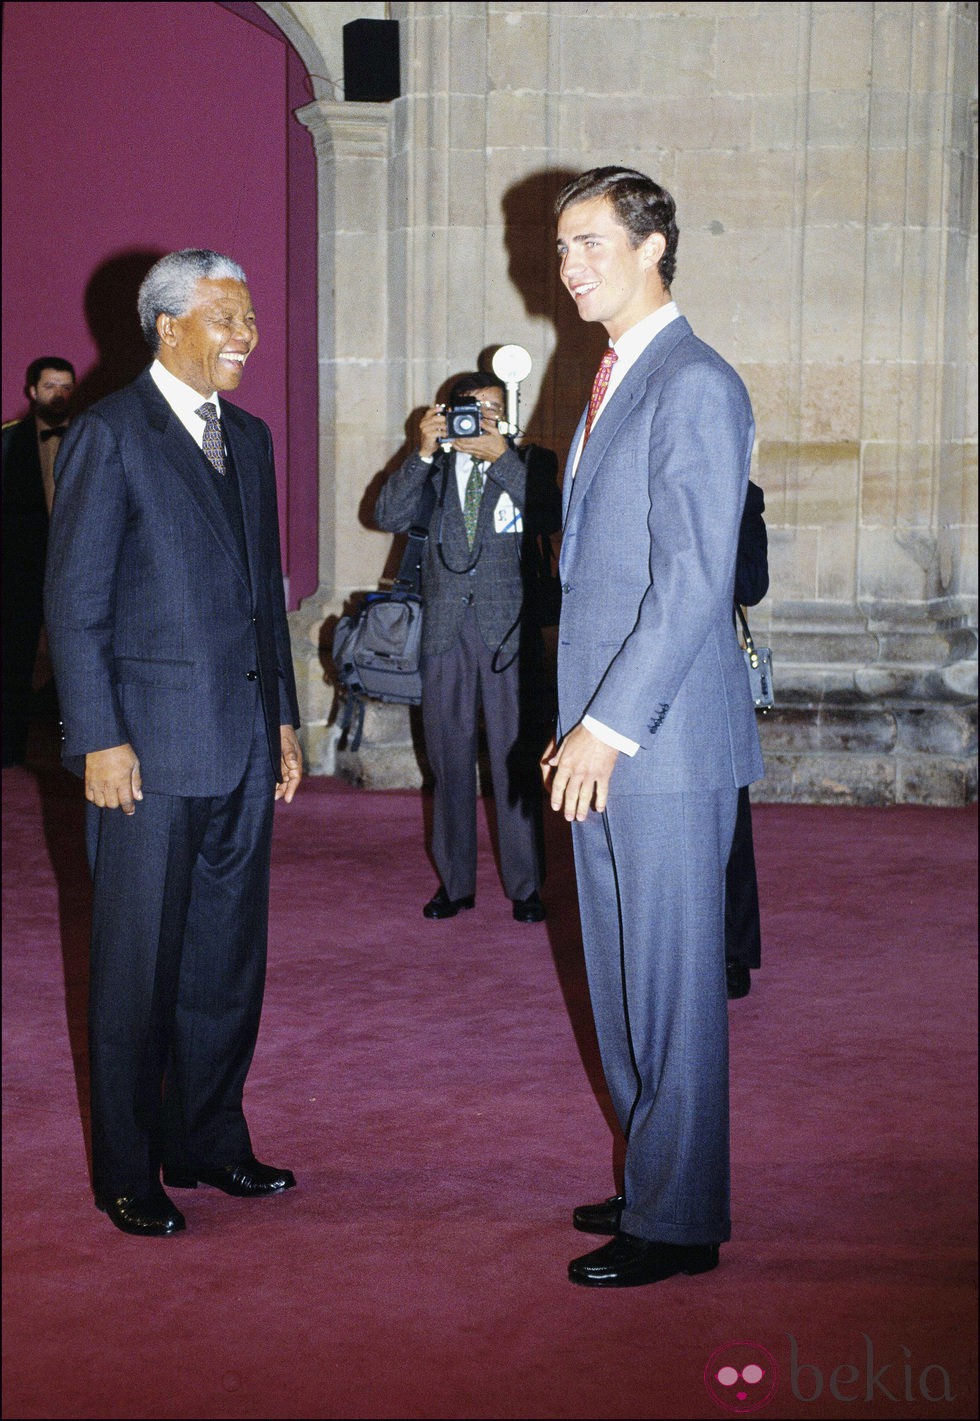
<point>167,623</point>
<point>480,649</point>
<point>25,540</point>
<point>743,933</point>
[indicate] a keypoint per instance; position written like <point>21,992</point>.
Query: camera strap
<point>409,577</point>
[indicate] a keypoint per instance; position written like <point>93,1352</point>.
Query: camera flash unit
<point>512,364</point>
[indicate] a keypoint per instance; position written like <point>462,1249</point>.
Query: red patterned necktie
<point>214,445</point>
<point>599,387</point>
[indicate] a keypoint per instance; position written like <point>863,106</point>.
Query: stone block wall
<point>823,158</point>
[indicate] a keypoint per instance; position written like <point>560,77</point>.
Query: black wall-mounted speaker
<point>371,68</point>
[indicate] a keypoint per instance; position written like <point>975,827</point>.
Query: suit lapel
<point>178,450</point>
<point>568,482</point>
<point>621,403</point>
<point>248,467</point>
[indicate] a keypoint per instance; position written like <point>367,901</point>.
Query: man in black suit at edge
<point>743,934</point>
<point>167,625</point>
<point>29,449</point>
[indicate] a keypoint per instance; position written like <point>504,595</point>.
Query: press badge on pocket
<point>507,518</point>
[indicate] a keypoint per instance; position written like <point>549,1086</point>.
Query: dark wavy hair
<point>472,381</point>
<point>641,206</point>
<point>47,362</point>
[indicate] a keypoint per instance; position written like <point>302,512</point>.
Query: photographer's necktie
<point>471,500</point>
<point>214,445</point>
<point>599,388</point>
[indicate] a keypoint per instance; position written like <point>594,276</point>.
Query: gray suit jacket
<point>646,641</point>
<point>523,478</point>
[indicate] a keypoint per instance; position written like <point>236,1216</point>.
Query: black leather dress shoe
<point>442,906</point>
<point>628,1262</point>
<point>529,909</point>
<point>738,979</point>
<point>148,1214</point>
<point>249,1180</point>
<point>600,1218</point>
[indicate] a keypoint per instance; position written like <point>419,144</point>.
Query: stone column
<point>352,142</point>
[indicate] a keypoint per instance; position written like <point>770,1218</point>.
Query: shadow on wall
<point>110,310</point>
<point>529,235</point>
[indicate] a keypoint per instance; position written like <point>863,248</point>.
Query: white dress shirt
<point>628,348</point>
<point>184,401</point>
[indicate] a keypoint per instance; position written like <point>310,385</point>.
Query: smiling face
<point>609,279</point>
<point>207,346</point>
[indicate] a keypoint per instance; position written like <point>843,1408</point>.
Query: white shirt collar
<point>633,343</point>
<point>181,398</point>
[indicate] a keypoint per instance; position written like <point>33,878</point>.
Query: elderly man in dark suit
<point>479,642</point>
<point>29,449</point>
<point>656,727</point>
<point>168,632</point>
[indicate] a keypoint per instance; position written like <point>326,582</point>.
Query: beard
<point>54,410</point>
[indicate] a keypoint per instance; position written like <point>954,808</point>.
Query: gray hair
<point>168,287</point>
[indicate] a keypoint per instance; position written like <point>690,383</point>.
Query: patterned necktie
<point>471,502</point>
<point>599,386</point>
<point>214,445</point>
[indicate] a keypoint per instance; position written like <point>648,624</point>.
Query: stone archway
<point>351,144</point>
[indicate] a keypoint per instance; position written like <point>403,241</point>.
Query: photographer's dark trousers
<point>743,934</point>
<point>455,683</point>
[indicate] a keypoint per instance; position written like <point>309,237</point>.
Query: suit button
<point>251,675</point>
<point>468,599</point>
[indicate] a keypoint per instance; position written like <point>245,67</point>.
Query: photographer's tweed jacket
<point>525,478</point>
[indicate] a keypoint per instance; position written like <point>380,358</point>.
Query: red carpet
<point>434,1086</point>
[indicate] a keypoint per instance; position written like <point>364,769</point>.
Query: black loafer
<point>600,1218</point>
<point>629,1262</point>
<point>737,978</point>
<point>148,1214</point>
<point>249,1180</point>
<point>529,910</point>
<point>442,906</point>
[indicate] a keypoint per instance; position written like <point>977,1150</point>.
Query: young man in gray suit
<point>480,646</point>
<point>167,624</point>
<point>656,729</point>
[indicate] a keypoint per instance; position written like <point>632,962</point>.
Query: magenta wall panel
<point>129,130</point>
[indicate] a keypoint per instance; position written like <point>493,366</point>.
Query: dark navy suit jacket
<point>158,628</point>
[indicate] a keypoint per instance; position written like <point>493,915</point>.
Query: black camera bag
<point>377,647</point>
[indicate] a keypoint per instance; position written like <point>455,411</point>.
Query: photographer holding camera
<point>480,645</point>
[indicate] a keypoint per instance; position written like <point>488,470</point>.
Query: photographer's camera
<point>463,421</point>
